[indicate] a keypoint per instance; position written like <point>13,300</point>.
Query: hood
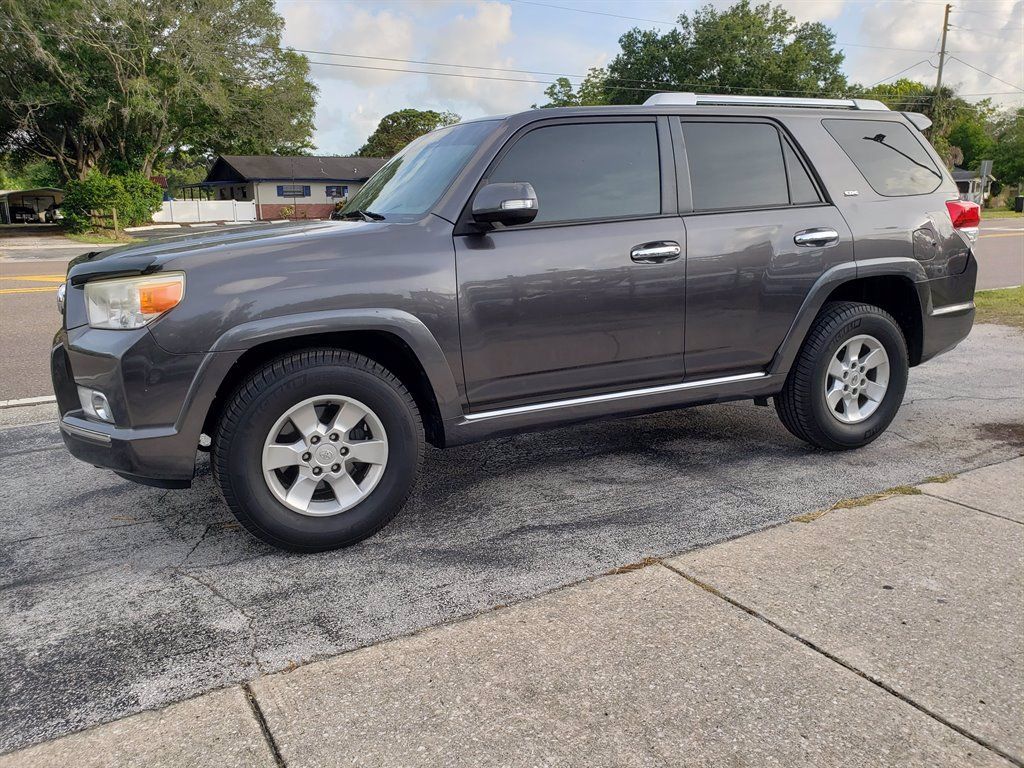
<point>147,258</point>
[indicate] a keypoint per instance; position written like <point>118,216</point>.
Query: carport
<point>37,199</point>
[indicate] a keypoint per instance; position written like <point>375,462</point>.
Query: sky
<point>511,40</point>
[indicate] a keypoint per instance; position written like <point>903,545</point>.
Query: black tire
<point>254,408</point>
<point>802,406</point>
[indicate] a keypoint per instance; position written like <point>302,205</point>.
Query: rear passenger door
<point>759,233</point>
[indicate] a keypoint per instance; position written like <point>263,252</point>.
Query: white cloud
<point>988,35</point>
<point>477,38</point>
<point>350,29</point>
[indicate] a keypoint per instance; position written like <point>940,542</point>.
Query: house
<point>310,186</point>
<point>972,185</point>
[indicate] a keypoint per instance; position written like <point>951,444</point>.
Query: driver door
<point>588,298</point>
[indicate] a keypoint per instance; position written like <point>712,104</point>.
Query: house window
<point>292,190</point>
<point>337,190</point>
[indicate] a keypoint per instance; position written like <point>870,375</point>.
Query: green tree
<point>743,49</point>
<point>399,128</point>
<point>116,84</point>
<point>1008,150</point>
<point>27,175</point>
<point>591,91</point>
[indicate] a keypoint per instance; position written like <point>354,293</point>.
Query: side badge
<point>851,193</point>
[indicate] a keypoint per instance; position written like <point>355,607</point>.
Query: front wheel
<point>849,379</point>
<point>318,450</point>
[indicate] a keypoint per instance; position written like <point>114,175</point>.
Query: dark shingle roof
<point>304,168</point>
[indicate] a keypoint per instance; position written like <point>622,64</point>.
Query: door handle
<point>821,237</point>
<point>656,253</point>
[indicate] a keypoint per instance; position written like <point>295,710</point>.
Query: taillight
<point>965,215</point>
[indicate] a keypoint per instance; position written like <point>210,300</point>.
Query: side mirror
<point>506,203</point>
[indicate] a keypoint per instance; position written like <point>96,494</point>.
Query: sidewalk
<point>887,633</point>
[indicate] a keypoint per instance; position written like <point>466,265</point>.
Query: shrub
<point>134,196</point>
<point>141,198</point>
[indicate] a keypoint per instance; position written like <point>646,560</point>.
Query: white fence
<point>193,211</point>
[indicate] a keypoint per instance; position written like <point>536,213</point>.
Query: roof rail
<point>695,99</point>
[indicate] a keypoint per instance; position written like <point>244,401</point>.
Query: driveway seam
<point>973,509</point>
<point>846,665</point>
<point>257,712</point>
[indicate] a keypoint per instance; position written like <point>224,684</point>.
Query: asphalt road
<point>116,598</point>
<point>29,277</point>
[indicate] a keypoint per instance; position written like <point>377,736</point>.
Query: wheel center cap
<point>326,455</point>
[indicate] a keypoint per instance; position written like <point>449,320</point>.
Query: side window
<point>588,170</point>
<point>801,188</point>
<point>888,155</point>
<point>735,165</point>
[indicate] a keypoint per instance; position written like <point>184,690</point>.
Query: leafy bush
<point>134,196</point>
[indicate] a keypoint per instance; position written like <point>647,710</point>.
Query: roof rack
<point>695,99</point>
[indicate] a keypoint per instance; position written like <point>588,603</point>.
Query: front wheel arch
<point>383,347</point>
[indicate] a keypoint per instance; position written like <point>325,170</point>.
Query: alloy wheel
<point>325,455</point>
<point>857,379</point>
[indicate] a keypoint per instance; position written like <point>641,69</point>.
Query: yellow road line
<point>47,289</point>
<point>1004,234</point>
<point>35,278</point>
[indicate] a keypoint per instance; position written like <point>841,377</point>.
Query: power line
<point>535,82</point>
<point>897,74</point>
<point>978,69</point>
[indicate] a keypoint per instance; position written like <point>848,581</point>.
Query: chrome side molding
<point>949,309</point>
<point>611,396</point>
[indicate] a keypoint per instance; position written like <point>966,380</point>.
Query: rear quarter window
<point>888,155</point>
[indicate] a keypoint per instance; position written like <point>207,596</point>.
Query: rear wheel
<point>849,379</point>
<point>318,450</point>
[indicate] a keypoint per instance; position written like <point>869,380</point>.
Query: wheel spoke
<point>874,359</point>
<point>369,451</point>
<point>836,369</point>
<point>834,396</point>
<point>302,490</point>
<point>346,491</point>
<point>306,420</point>
<point>849,358</point>
<point>874,391</point>
<point>277,455</point>
<point>348,416</point>
<point>853,409</point>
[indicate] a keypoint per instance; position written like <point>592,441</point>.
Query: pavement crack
<point>250,620</point>
<point>973,509</point>
<point>845,664</point>
<point>268,735</point>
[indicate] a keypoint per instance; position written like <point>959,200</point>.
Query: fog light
<point>95,404</point>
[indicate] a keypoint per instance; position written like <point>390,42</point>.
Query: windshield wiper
<point>362,215</point>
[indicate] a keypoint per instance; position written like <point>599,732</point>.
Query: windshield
<point>413,180</point>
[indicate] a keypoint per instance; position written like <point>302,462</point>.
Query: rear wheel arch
<point>897,295</point>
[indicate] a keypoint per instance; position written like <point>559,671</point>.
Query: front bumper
<point>158,400</point>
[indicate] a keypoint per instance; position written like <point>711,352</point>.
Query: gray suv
<point>514,273</point>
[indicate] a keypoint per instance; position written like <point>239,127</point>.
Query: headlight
<point>132,302</point>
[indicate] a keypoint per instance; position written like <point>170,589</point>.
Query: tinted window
<point>588,171</point>
<point>888,155</point>
<point>801,190</point>
<point>735,165</point>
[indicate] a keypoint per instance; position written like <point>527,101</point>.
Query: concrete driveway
<point>116,598</point>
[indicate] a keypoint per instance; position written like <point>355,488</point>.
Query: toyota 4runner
<point>512,273</point>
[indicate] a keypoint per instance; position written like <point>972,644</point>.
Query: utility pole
<point>942,49</point>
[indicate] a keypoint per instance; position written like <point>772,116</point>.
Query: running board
<point>612,396</point>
